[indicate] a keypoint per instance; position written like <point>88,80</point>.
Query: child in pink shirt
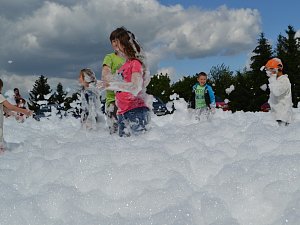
<point>130,86</point>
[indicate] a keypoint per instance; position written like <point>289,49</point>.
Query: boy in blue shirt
<point>203,98</point>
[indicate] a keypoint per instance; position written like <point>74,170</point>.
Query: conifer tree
<point>240,97</point>
<point>261,54</point>
<point>40,92</point>
<point>221,78</point>
<point>288,50</point>
<point>73,105</point>
<point>59,97</point>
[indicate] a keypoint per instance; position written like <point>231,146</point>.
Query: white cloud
<point>60,38</point>
<point>25,83</point>
<point>170,71</point>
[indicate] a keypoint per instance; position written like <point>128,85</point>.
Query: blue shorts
<point>133,121</point>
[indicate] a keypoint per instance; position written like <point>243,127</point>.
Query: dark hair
<point>127,39</point>
<point>113,35</point>
<point>1,83</point>
<point>202,74</point>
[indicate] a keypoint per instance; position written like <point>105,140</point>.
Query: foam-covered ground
<point>238,168</point>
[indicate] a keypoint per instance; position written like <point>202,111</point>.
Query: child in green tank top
<point>111,63</point>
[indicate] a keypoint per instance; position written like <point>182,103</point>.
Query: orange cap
<point>274,63</point>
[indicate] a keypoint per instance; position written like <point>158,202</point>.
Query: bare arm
<point>11,107</point>
<point>134,87</point>
<point>106,73</point>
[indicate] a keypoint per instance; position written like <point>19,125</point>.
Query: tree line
<point>248,87</point>
<point>41,95</point>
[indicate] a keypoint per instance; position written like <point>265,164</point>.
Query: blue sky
<point>275,18</point>
<point>58,38</point>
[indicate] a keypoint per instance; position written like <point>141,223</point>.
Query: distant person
<point>203,97</point>
<point>280,99</point>
<point>5,106</point>
<point>90,99</point>
<point>21,103</point>
<point>130,85</point>
<point>17,95</point>
<point>111,63</point>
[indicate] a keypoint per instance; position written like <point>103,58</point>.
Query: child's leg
<point>112,117</point>
<point>84,106</point>
<point>122,122</point>
<point>197,114</point>
<point>138,118</point>
<point>2,146</point>
<point>207,113</point>
<point>1,136</point>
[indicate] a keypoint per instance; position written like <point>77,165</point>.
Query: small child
<point>90,99</point>
<point>203,98</point>
<point>280,99</point>
<point>6,106</point>
<point>21,103</point>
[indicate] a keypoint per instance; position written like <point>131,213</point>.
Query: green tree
<point>288,50</point>
<point>40,92</point>
<point>184,86</point>
<point>261,54</point>
<point>59,97</point>
<point>241,98</point>
<point>221,78</point>
<point>160,86</point>
<point>73,105</point>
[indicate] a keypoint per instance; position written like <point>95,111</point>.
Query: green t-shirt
<point>199,97</point>
<point>114,62</point>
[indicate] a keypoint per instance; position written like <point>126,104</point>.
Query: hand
<point>102,84</point>
<point>28,112</point>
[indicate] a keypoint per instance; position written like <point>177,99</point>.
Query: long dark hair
<point>132,49</point>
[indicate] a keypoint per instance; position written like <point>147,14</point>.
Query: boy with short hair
<point>203,97</point>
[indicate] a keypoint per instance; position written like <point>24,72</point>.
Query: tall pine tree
<point>40,92</point>
<point>59,97</point>
<point>261,54</point>
<point>288,50</point>
<point>241,98</point>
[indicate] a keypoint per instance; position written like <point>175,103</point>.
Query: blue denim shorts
<point>133,121</point>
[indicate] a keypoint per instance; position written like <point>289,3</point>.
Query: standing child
<point>280,99</point>
<point>111,63</point>
<point>21,103</point>
<point>133,112</point>
<point>90,100</point>
<point>203,98</point>
<point>6,106</point>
